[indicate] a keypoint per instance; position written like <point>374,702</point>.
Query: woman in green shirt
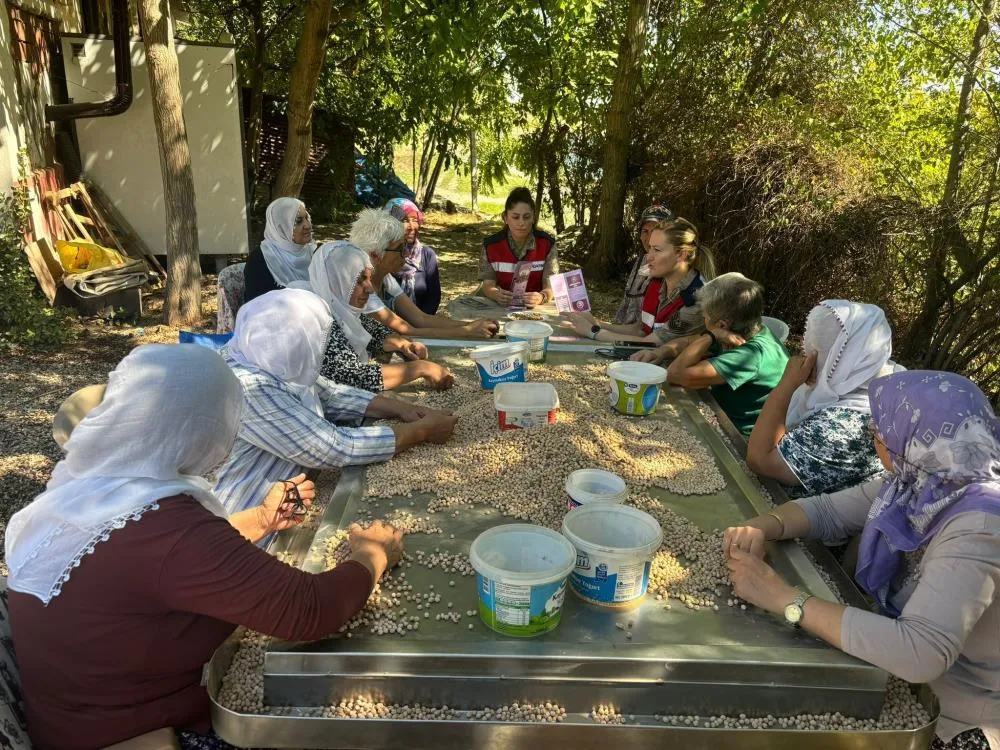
<point>737,356</point>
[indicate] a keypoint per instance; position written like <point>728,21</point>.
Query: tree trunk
<point>947,236</point>
<point>256,116</point>
<point>541,147</point>
<point>426,155</point>
<point>473,171</point>
<point>555,192</point>
<point>961,127</point>
<point>309,56</point>
<point>413,161</point>
<point>603,260</point>
<point>435,175</point>
<point>182,304</point>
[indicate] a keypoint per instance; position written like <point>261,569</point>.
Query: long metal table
<point>678,661</point>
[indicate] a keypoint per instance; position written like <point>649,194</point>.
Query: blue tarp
<point>375,185</point>
<point>208,340</point>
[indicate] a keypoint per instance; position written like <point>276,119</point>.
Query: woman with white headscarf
<point>289,421</point>
<point>283,257</point>
<point>126,574</point>
<point>341,274</point>
<point>811,434</point>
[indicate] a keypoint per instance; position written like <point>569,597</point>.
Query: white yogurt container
<point>501,363</point>
<point>586,486</point>
<point>534,332</point>
<point>635,387</point>
<point>614,545</point>
<point>525,405</point>
<point>521,572</point>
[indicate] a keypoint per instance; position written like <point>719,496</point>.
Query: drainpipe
<point>121,34</point>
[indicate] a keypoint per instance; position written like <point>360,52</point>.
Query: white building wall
<point>122,154</point>
<point>11,122</point>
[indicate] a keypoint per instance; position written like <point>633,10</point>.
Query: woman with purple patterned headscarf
<point>929,556</point>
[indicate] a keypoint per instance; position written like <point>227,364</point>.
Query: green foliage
<point>25,318</point>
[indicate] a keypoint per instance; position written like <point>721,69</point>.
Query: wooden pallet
<point>84,212</point>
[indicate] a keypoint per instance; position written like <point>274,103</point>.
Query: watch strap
<point>594,330</point>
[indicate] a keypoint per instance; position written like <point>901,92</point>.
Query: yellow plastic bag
<point>78,256</point>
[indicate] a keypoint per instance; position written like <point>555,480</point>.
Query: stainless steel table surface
<point>678,661</point>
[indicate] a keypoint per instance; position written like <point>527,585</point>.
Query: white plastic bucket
<point>501,363</point>
<point>534,332</point>
<point>521,573</point>
<point>525,405</point>
<point>778,327</point>
<point>586,486</point>
<point>614,548</point>
<point>635,387</point>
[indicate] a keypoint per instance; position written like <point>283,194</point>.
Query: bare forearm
<point>401,373</point>
<point>408,435</point>
<point>383,407</point>
<point>791,523</point>
<point>249,523</point>
<point>823,619</point>
<point>770,426</point>
<point>692,354</point>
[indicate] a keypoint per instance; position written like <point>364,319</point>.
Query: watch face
<point>793,613</point>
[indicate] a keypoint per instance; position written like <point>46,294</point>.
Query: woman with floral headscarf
<point>283,257</point>
<point>929,556</point>
<point>812,436</point>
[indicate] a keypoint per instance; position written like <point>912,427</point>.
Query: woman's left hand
<point>533,299</point>
<point>756,582</point>
<point>277,512</point>
<point>413,412</point>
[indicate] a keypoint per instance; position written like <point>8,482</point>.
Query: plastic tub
<point>585,486</point>
<point>535,333</point>
<point>524,405</point>
<point>614,547</point>
<point>521,573</point>
<point>635,387</point>
<point>501,363</point>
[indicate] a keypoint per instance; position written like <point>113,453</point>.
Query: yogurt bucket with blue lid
<point>521,572</point>
<point>501,363</point>
<point>614,546</point>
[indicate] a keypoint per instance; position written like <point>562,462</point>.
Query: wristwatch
<point>793,611</point>
<point>594,330</point>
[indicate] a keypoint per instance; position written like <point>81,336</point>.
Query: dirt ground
<point>33,383</point>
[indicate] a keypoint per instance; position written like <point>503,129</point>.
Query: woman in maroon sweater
<point>126,575</point>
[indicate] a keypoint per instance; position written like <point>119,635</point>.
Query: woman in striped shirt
<point>290,414</point>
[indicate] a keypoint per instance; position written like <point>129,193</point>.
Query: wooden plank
<point>121,226</point>
<point>77,221</point>
<point>102,223</point>
<point>46,267</point>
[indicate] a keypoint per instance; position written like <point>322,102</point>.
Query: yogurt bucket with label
<point>501,363</point>
<point>521,572</point>
<point>525,405</point>
<point>594,486</point>
<point>635,387</point>
<point>614,546</point>
<point>534,332</point>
